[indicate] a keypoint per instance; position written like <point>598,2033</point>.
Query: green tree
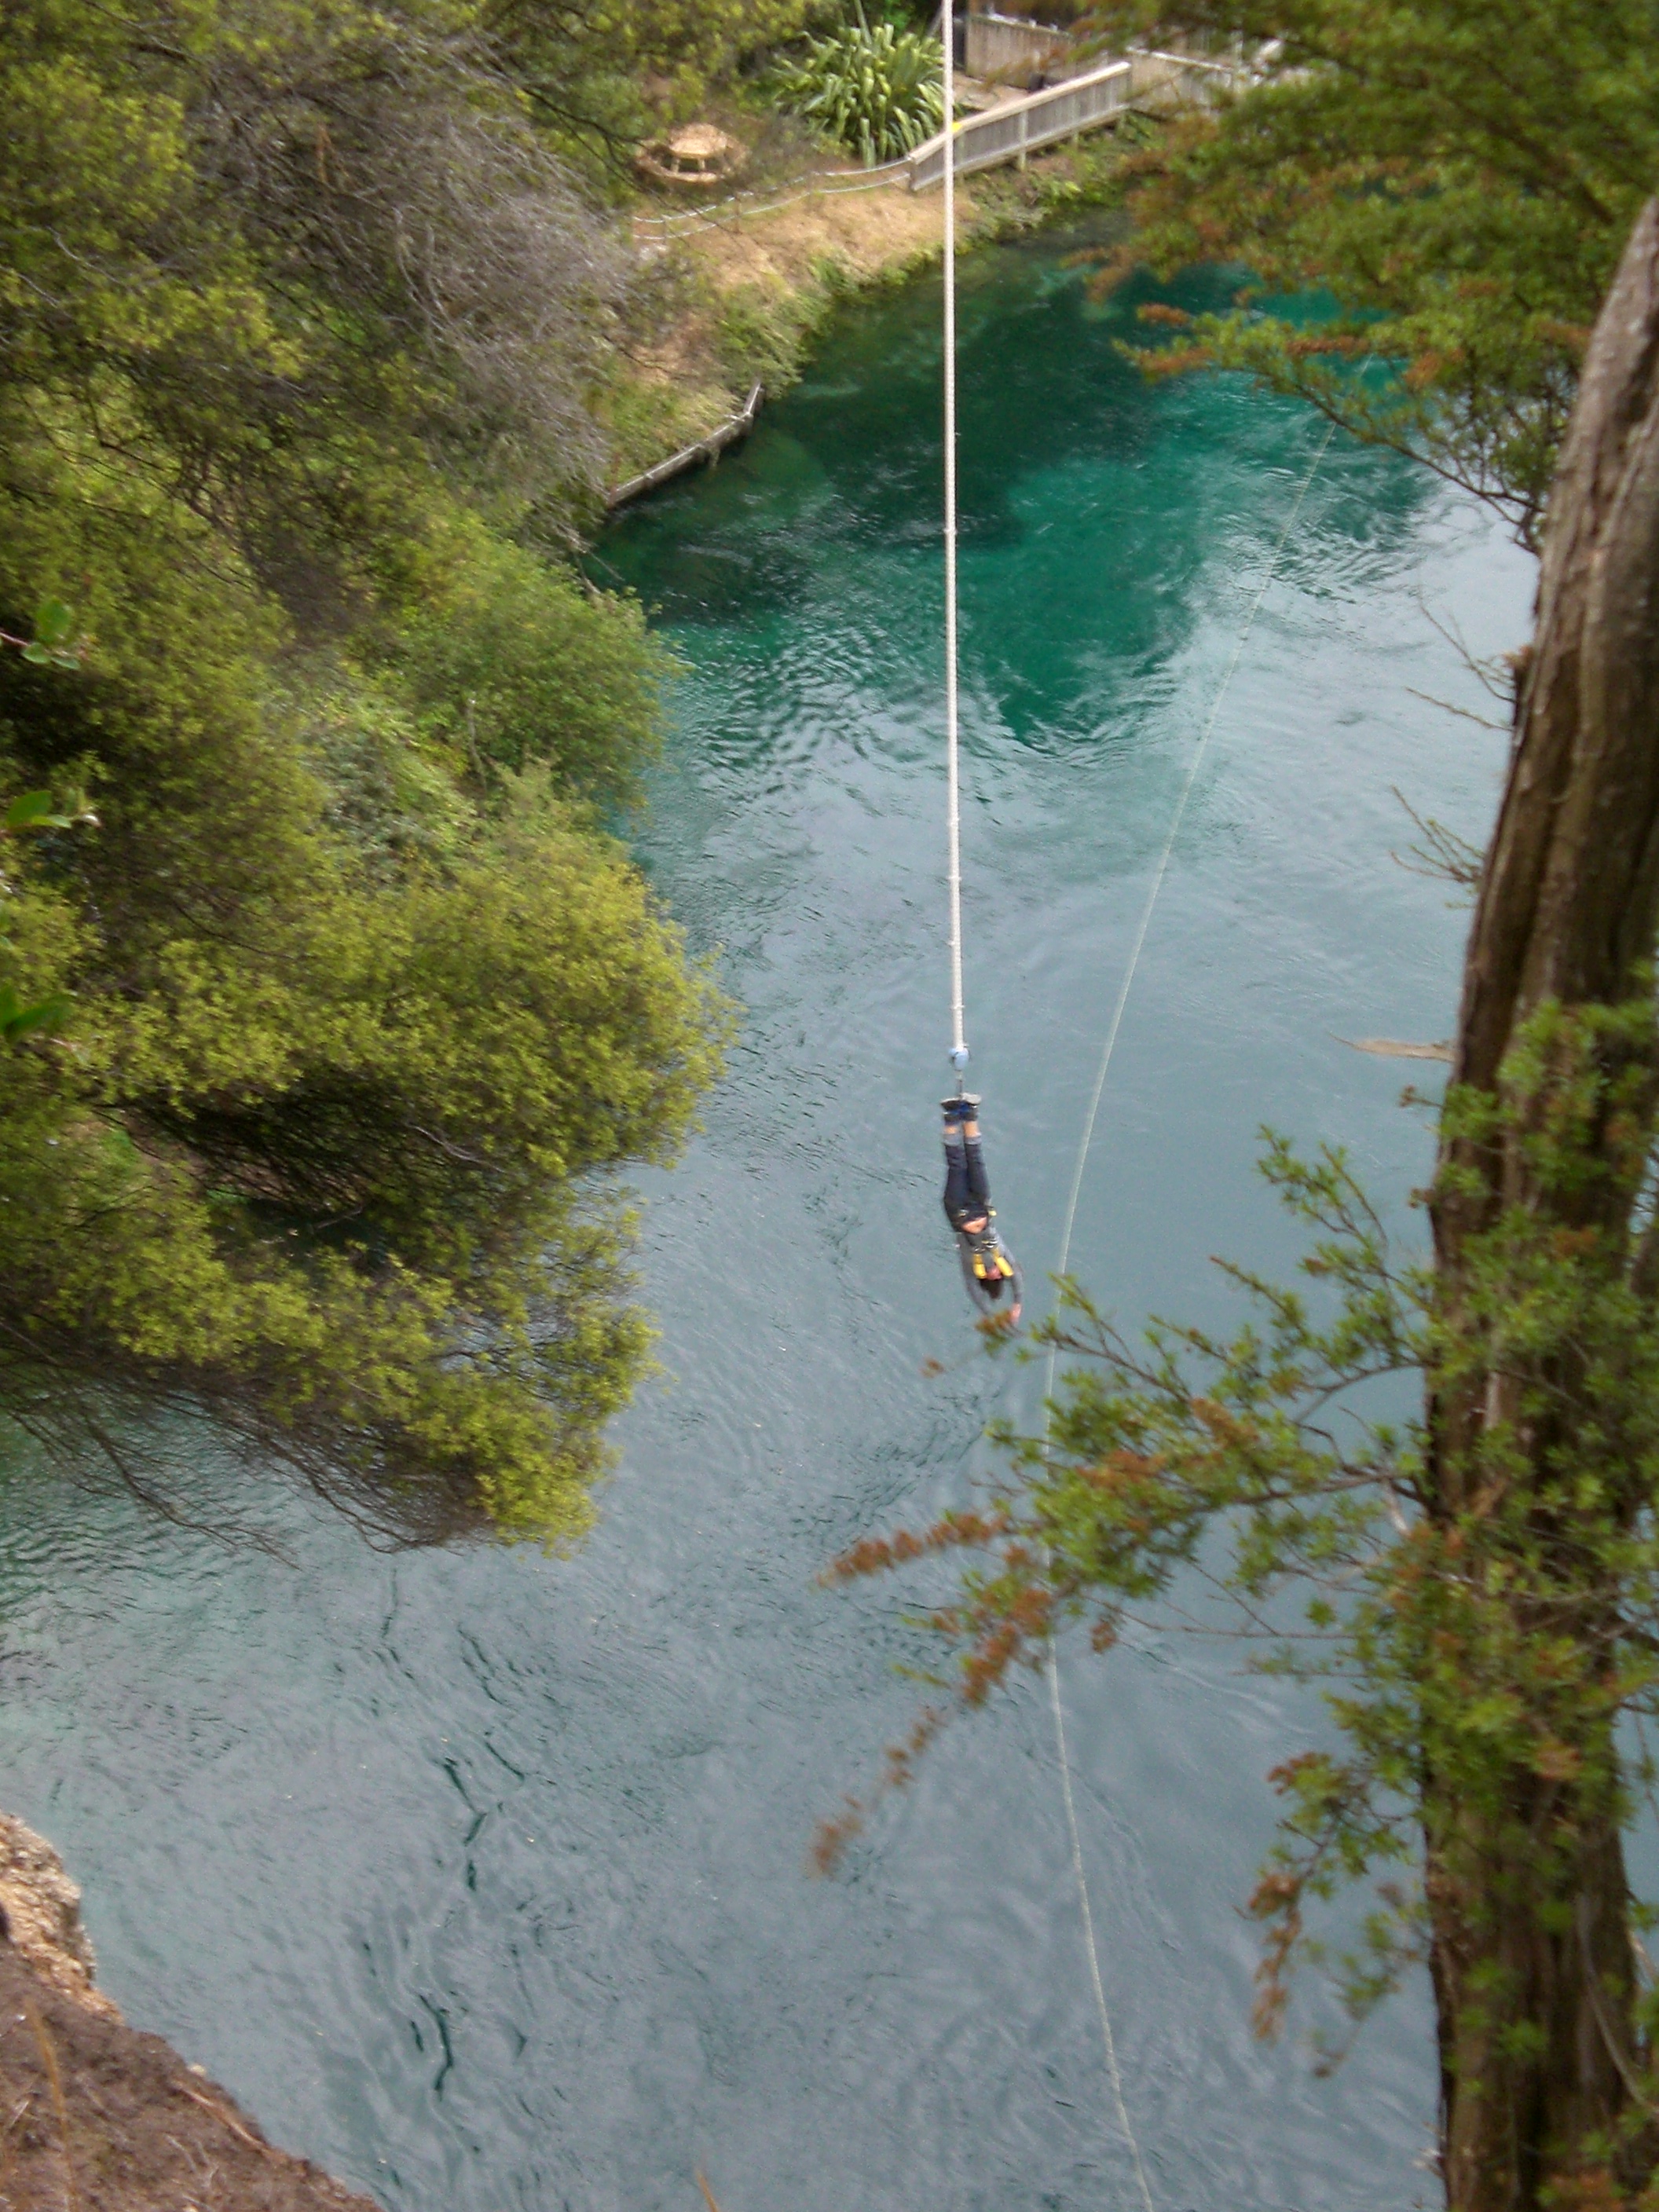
<point>358,1007</point>
<point>1477,1586</point>
<point>601,73</point>
<point>1460,175</point>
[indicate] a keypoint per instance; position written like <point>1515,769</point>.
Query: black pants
<point>967,1186</point>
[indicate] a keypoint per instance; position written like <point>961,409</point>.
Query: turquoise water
<point>482,1877</point>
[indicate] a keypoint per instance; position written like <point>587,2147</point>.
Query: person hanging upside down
<point>993,1278</point>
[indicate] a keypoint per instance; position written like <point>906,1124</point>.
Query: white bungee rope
<point>958,1040</point>
<point>953,782</point>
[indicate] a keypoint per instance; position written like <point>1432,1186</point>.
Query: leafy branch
<point>1478,1632</point>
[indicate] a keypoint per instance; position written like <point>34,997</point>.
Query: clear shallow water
<point>480,1877</point>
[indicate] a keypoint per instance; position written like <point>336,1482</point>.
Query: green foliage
<point>1461,175</point>
<point>898,14</point>
<point>301,1145</point>
<point>764,331</point>
<point>35,809</point>
<point>324,1040</point>
<point>516,664</point>
<point>54,644</point>
<point>278,268</point>
<point>1057,187</point>
<point>1480,1631</point>
<point>602,74</point>
<point>647,418</point>
<point>875,90</point>
<point>18,1020</point>
<point>31,813</point>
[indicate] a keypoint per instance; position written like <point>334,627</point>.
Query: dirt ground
<point>95,2117</point>
<point>866,235</point>
<point>742,295</point>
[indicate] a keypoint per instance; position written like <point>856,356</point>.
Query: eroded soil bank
<point>95,2117</point>
<point>741,296</point>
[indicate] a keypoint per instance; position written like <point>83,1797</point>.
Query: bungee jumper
<point>987,1268</point>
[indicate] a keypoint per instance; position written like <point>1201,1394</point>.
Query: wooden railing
<point>1019,127</point>
<point>1005,133</point>
<point>999,48</point>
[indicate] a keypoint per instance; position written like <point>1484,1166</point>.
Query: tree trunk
<point>1528,1897</point>
<point>1519,2112</point>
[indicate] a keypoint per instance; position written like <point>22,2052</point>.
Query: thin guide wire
<point>1114,2071</point>
<point>1162,868</point>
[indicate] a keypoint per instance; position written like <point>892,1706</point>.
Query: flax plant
<point>876,89</point>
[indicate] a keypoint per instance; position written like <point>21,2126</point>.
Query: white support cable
<point>1114,2071</point>
<point>958,1042</point>
<point>1163,869</point>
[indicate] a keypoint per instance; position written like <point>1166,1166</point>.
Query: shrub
<point>318,1048</point>
<point>876,90</point>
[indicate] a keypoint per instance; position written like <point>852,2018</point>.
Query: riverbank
<point>479,1873</point>
<point>95,2115</point>
<point>741,299</point>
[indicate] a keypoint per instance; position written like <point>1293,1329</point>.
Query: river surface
<point>482,1876</point>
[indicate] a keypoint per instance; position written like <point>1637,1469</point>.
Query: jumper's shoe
<point>963,1107</point>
